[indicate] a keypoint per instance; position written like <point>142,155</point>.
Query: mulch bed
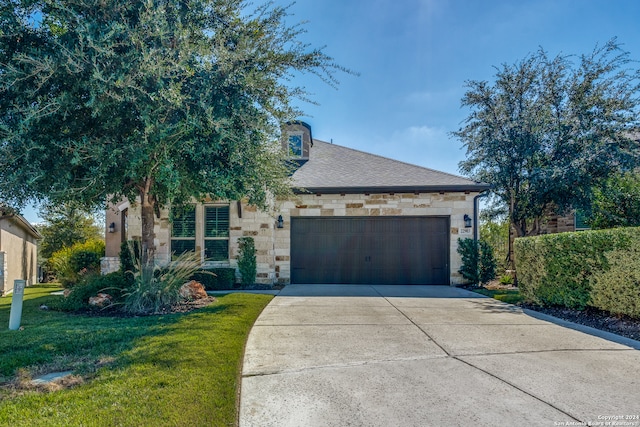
<point>598,319</point>
<point>620,325</point>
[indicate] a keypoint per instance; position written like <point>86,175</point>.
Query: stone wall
<point>273,244</point>
<point>454,205</point>
<point>559,224</point>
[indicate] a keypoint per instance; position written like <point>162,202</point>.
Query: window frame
<point>200,237</point>
<point>206,238</point>
<point>290,151</point>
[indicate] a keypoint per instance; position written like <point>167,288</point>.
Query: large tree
<point>157,101</point>
<point>63,226</point>
<point>617,202</point>
<point>549,129</point>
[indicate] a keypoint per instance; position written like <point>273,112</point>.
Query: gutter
<point>392,189</point>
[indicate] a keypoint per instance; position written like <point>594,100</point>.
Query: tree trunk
<point>148,248</point>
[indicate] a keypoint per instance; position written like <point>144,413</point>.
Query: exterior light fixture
<point>280,222</point>
<point>467,221</point>
<point>112,227</point>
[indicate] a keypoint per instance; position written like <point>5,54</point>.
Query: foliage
<point>129,258</point>
<point>617,289</point>
<point>64,225</point>
<point>158,102</point>
<point>510,296</point>
<point>216,278</point>
<point>158,289</point>
<point>82,259</point>
<point>113,284</point>
<point>496,235</point>
<point>559,269</point>
<point>548,130</point>
<point>616,203</point>
<point>478,262</point>
<point>506,279</point>
<point>136,371</point>
<point>247,260</point>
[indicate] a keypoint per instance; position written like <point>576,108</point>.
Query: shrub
<point>81,259</point>
<point>113,283</point>
<point>247,260</point>
<point>216,278</point>
<point>617,290</point>
<point>129,256</point>
<point>158,289</point>
<point>478,262</point>
<point>558,269</point>
<point>506,279</point>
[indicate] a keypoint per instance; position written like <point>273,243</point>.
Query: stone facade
<point>273,244</point>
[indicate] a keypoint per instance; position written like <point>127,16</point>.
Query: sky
<point>413,58</point>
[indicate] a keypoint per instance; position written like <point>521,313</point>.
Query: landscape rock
<point>101,300</point>
<point>193,291</point>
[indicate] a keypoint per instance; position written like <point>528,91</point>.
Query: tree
<point>64,225</point>
<point>548,130</point>
<point>478,262</point>
<point>156,101</point>
<point>495,232</point>
<point>616,203</point>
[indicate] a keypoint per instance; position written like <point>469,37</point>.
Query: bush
<point>559,269</point>
<point>129,259</point>
<point>72,264</point>
<point>113,284</point>
<point>506,279</point>
<point>478,262</point>
<point>617,290</point>
<point>247,260</point>
<point>158,289</point>
<point>216,279</point>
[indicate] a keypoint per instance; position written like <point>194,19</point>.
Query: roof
<point>336,169</point>
<point>26,225</point>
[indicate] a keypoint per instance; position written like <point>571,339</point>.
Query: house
<point>572,221</point>
<point>18,251</point>
<point>354,218</point>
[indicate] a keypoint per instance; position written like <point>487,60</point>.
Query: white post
<point>16,304</point>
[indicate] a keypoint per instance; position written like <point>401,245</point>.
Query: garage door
<point>375,250</point>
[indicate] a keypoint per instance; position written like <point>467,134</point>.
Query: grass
<point>511,296</point>
<point>177,369</point>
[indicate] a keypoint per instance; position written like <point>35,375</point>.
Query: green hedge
<point>221,279</point>
<point>579,269</point>
<point>617,289</point>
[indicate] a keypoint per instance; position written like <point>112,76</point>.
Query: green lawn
<point>506,295</point>
<point>171,370</point>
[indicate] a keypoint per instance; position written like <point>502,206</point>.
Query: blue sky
<point>414,57</point>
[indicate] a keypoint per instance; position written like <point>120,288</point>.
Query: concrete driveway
<point>331,355</point>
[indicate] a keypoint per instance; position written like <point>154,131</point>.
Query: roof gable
<point>336,169</point>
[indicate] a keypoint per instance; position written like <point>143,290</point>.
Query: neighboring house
<point>355,218</point>
<point>18,251</point>
<point>573,221</point>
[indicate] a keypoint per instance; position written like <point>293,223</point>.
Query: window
<point>216,233</point>
<point>295,145</point>
<point>580,222</point>
<point>199,227</point>
<point>183,231</point>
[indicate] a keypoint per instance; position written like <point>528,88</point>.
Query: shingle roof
<point>336,169</point>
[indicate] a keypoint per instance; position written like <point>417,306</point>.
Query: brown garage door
<point>376,250</point>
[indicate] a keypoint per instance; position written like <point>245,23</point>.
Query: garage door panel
<point>379,250</point>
